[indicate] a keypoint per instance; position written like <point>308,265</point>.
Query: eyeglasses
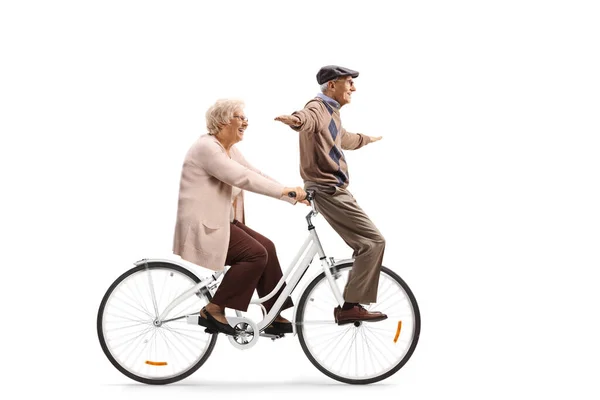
<point>241,117</point>
<point>350,81</point>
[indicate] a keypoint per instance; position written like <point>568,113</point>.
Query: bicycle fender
<point>164,260</point>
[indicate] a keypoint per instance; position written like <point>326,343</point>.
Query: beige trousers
<point>342,212</point>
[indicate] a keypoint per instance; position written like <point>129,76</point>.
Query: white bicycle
<point>148,320</point>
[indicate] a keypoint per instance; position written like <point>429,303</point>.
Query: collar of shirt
<point>329,100</point>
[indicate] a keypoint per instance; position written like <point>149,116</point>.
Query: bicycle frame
<point>300,264</point>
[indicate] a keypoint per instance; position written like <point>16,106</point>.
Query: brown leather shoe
<point>356,313</point>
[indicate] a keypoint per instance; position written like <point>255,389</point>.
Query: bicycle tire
<point>102,339</point>
<point>416,328</point>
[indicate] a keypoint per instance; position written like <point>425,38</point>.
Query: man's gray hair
<point>324,87</point>
<point>220,113</point>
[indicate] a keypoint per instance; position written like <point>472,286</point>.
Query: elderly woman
<point>210,229</point>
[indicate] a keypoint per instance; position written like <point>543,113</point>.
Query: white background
<point>485,185</point>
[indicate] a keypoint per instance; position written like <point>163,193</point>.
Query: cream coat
<point>204,206</point>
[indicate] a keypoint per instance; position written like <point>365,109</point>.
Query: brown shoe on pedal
<point>356,313</point>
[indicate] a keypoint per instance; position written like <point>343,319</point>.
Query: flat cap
<point>331,72</point>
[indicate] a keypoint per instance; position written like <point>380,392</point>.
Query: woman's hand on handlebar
<point>295,192</point>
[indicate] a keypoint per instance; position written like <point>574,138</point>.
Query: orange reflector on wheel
<point>156,363</point>
<point>398,331</point>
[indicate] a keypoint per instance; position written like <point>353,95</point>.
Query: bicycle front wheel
<point>360,352</point>
<point>143,350</point>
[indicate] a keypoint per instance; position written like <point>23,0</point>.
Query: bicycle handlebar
<point>310,195</point>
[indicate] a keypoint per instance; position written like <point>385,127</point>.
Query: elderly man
<point>323,168</point>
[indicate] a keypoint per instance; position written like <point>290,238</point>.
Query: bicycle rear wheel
<point>363,352</point>
<point>138,347</point>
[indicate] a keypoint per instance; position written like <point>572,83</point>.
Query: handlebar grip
<point>292,194</point>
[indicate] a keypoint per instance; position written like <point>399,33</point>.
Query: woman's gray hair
<point>220,113</point>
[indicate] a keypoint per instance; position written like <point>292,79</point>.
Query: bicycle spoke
<point>188,310</point>
<point>392,296</point>
<point>383,353</point>
<point>318,322</point>
<point>127,319</point>
<point>383,287</point>
<point>331,337</point>
<point>176,360</point>
<point>176,356</point>
<point>189,346</point>
<point>136,335</point>
<point>139,296</point>
<point>120,328</point>
<point>163,290</point>
<point>185,327</point>
<point>340,345</point>
<point>180,333</point>
<point>127,315</point>
<point>352,340</point>
<point>174,292</point>
<point>152,294</point>
<point>138,308</point>
<point>380,326</point>
<point>371,351</point>
<point>142,344</point>
<point>325,296</point>
<point>332,348</point>
<point>382,335</point>
<point>126,337</point>
<point>322,308</point>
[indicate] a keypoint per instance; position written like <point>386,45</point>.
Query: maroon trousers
<point>254,265</point>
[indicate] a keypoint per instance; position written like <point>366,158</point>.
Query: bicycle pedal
<point>196,320</point>
<point>272,337</point>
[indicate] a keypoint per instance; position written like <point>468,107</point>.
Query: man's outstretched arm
<point>353,141</point>
<point>306,120</point>
<point>289,120</point>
